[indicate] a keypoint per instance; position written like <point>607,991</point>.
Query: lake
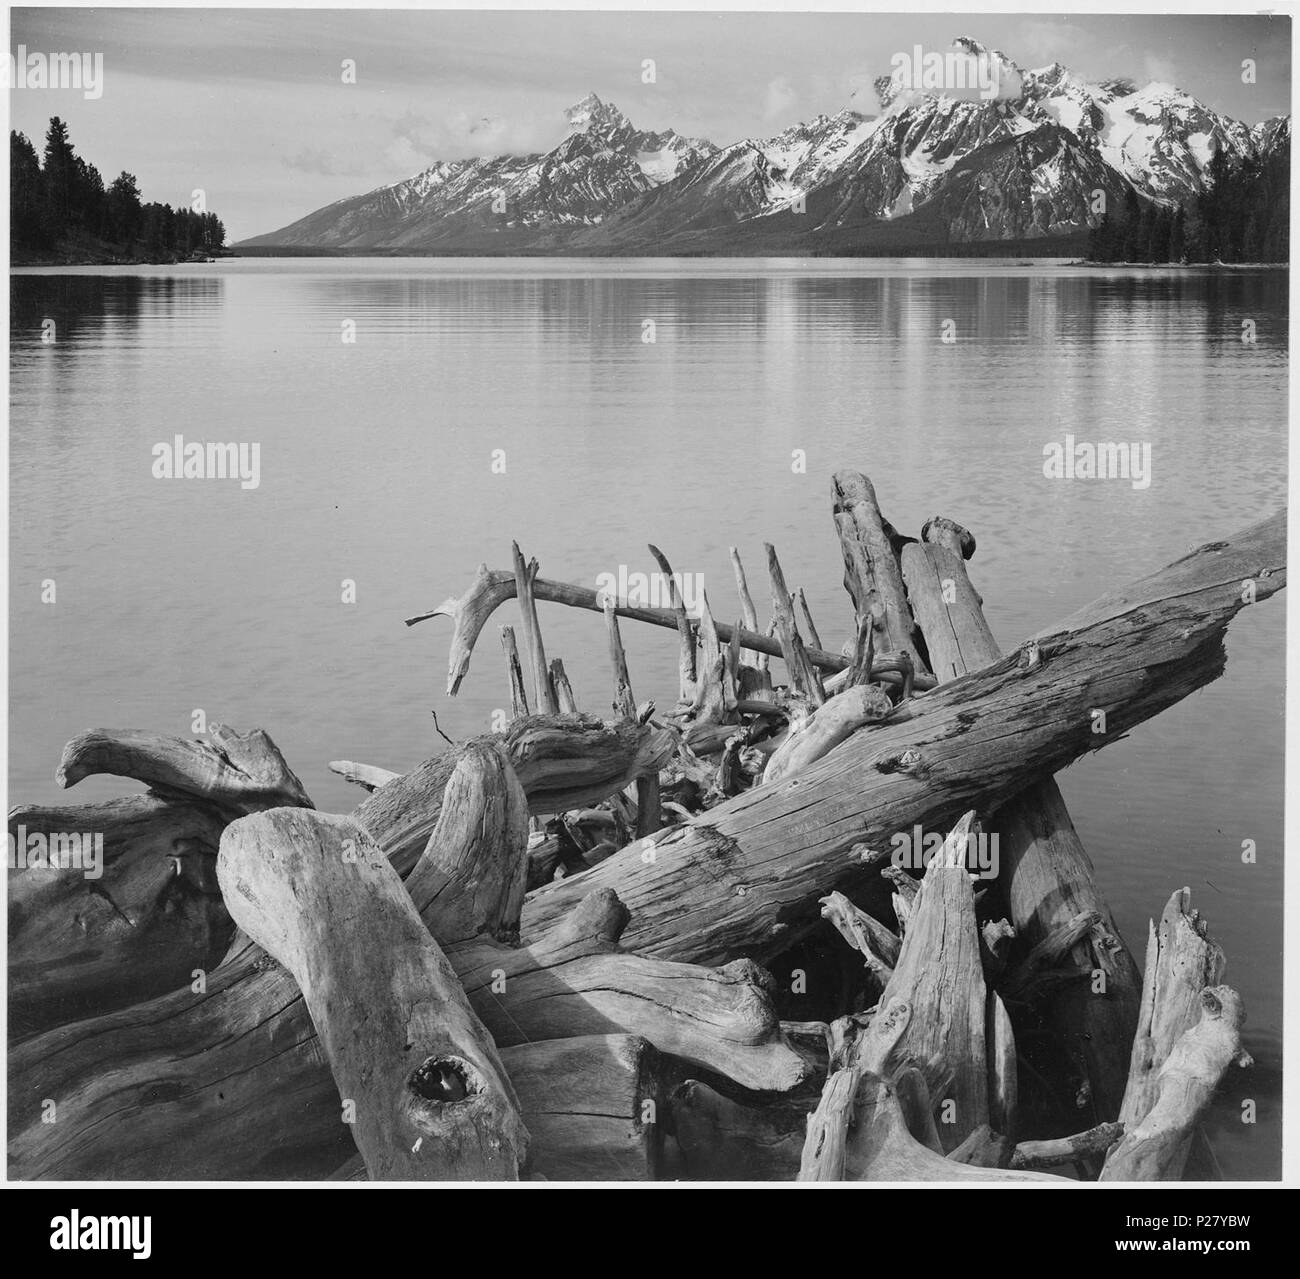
<point>696,405</point>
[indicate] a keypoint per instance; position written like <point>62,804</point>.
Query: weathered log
<point>134,920</point>
<point>835,721</point>
<point>869,545</point>
<point>518,691</point>
<point>492,587</point>
<point>471,877</point>
<point>563,762</point>
<point>1045,872</point>
<point>525,576</point>
<point>1067,1150</point>
<point>1156,1148</point>
<point>229,1081</point>
<point>984,1148</point>
<point>813,638</point>
<point>859,1131</point>
<point>367,776</point>
<point>576,981</point>
<point>563,689</point>
<point>803,673</point>
<point>594,1108</point>
<point>1187,1036</point>
<point>748,613</point>
<point>1003,1076</point>
<point>867,935</point>
<point>417,1072</point>
<point>238,772</point>
<point>722,1140</point>
<point>624,701</point>
<point>686,658</point>
<point>935,757</point>
<point>940,976</point>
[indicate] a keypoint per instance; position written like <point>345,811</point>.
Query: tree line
<point>57,197</point>
<point>1242,215</point>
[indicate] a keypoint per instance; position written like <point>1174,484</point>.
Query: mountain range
<point>932,167</point>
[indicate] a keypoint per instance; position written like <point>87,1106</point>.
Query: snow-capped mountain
<point>602,163</point>
<point>1021,154</point>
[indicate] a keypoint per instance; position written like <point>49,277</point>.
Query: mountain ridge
<point>1031,154</point>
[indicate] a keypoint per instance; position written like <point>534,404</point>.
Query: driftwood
<point>860,1130</point>
<point>367,776</point>
<point>81,945</point>
<point>1046,874</point>
<point>1187,1037</point>
<point>238,773</point>
<point>149,915</point>
<point>563,689</point>
<point>1067,1150</point>
<point>594,1108</point>
<point>515,671</point>
<point>723,1140</point>
<point>525,576</point>
<point>492,587</point>
<point>249,1039</point>
<point>803,673</point>
<point>417,1072</point>
<point>870,547</point>
<point>832,723</point>
<point>686,658</point>
<point>571,1013</point>
<point>927,763</point>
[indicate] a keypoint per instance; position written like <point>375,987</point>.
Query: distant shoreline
<point>31,261</point>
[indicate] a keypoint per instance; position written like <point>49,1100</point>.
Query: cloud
<point>418,140</point>
<point>1161,69</point>
<point>780,100</point>
<point>315,160</point>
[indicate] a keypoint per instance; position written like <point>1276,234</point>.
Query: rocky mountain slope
<point>936,165</point>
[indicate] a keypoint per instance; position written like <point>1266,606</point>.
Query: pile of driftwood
<point>538,953</point>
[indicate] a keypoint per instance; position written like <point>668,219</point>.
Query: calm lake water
<point>377,466</point>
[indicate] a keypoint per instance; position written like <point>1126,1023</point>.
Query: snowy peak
<point>591,115</point>
<point>968,145</point>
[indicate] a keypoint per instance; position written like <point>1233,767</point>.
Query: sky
<point>252,107</point>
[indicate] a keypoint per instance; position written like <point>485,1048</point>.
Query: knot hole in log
<point>444,1080</point>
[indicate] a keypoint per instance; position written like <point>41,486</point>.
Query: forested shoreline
<point>1242,216</point>
<point>62,211</point>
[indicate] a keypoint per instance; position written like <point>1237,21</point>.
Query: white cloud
<point>781,99</point>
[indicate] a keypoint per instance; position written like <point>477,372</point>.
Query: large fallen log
<point>230,1082</point>
<point>148,914</point>
<point>87,940</point>
<point>594,1108</point>
<point>1045,874</point>
<point>748,874</point>
<point>417,1072</point>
